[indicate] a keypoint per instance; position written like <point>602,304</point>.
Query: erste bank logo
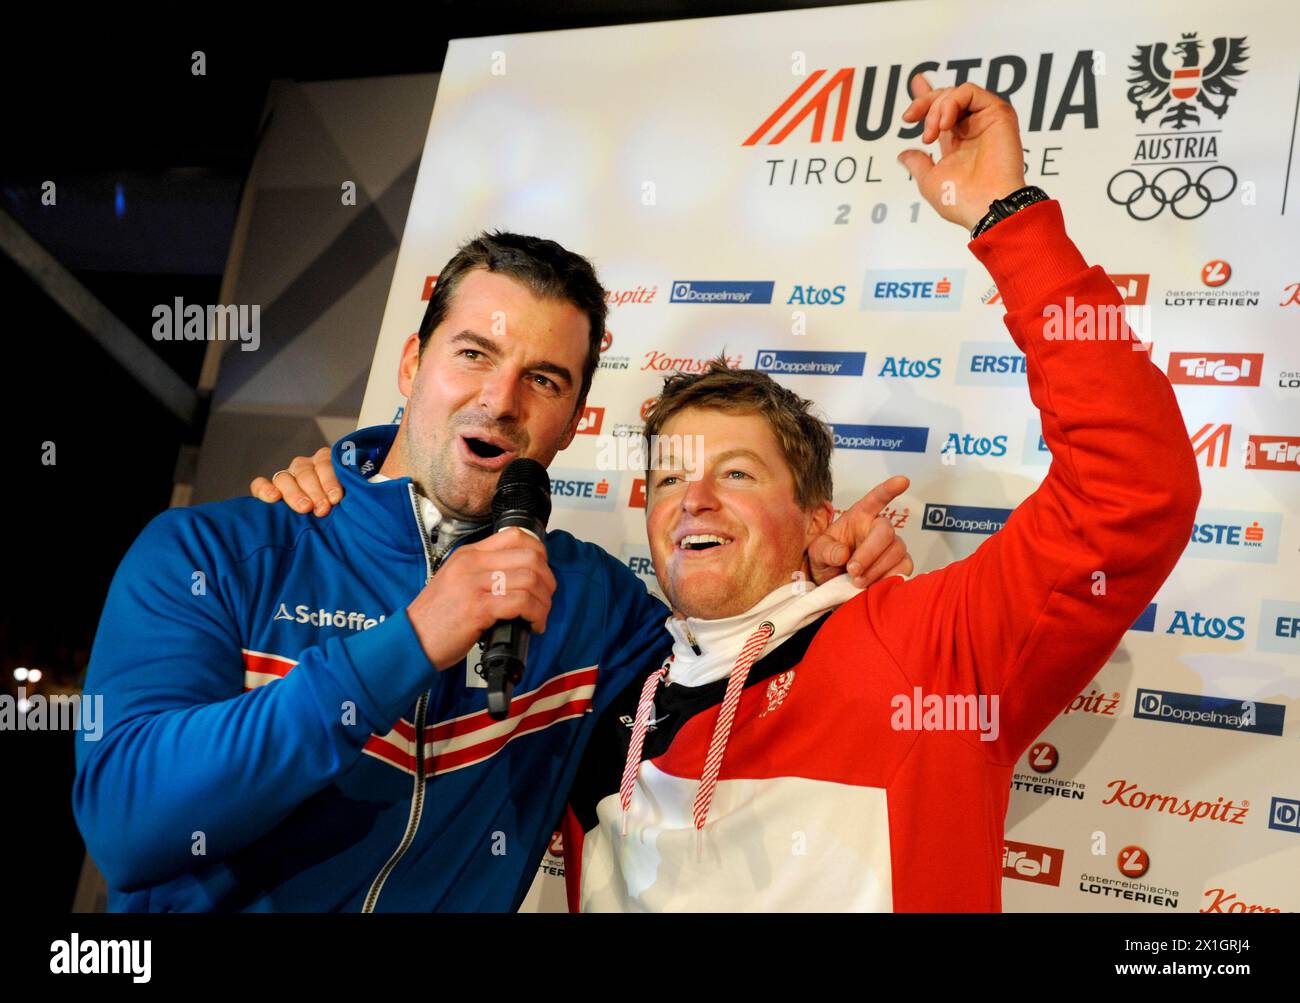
<point>1229,535</point>
<point>913,289</point>
<point>584,489</point>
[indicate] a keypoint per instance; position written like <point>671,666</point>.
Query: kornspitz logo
<point>811,363</point>
<point>695,291</point>
<point>964,518</point>
<point>890,438</point>
<point>913,289</point>
<point>1210,712</point>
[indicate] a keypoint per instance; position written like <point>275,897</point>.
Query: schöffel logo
<point>1279,627</point>
<point>591,420</point>
<point>913,289</point>
<point>1147,621</point>
<point>1284,814</point>
<point>990,363</point>
<point>901,366</point>
<point>1030,862</point>
<point>1196,624</point>
<point>1273,452</point>
<point>1221,369</point>
<point>1227,535</point>
<point>817,295</point>
<point>964,518</point>
<point>322,617</point>
<point>583,489</point>
<point>890,438</point>
<point>790,363</point>
<point>695,291</point>
<point>1210,712</point>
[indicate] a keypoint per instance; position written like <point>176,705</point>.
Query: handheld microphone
<point>523,500</point>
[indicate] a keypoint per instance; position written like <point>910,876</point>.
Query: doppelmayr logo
<point>889,438</point>
<point>1210,712</point>
<point>695,291</point>
<point>322,617</point>
<point>791,363</point>
<point>913,289</point>
<point>964,519</point>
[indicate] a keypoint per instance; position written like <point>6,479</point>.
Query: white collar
<point>719,641</point>
<point>436,526</point>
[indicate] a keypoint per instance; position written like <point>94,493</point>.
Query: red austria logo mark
<point>1216,273</point>
<point>1043,757</point>
<point>1133,861</point>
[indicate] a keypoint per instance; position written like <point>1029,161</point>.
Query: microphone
<point>523,500</point>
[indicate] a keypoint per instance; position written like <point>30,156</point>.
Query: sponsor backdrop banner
<point>734,181</point>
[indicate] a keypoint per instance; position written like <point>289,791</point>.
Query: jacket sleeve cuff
<point>391,666</point>
<point>1029,254</point>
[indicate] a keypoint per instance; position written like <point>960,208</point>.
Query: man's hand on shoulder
<point>308,484</point>
<point>979,146</point>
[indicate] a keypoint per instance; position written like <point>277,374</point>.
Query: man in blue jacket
<point>368,774</point>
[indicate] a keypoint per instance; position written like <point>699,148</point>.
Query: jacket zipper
<point>431,565</point>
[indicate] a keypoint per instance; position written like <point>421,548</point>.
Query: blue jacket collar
<point>386,512</point>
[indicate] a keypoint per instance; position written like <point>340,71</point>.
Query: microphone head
<point>524,486</point>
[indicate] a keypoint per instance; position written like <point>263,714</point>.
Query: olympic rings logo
<point>1137,202</point>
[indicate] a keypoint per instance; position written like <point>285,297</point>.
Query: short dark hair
<point>805,439</point>
<point>546,268</point>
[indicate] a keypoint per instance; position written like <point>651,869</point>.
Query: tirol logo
<point>1221,369</point>
<point>695,291</point>
<point>1228,535</point>
<point>1030,862</point>
<point>1176,167</point>
<point>1214,277</point>
<point>913,289</point>
<point>791,363</point>
<point>890,438</point>
<point>591,420</point>
<point>1210,712</point>
<point>429,282</point>
<point>583,489</point>
<point>1273,452</point>
<point>1210,441</point>
<point>817,295</point>
<point>964,518</point>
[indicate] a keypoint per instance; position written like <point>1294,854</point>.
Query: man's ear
<point>410,363</point>
<point>822,515</point>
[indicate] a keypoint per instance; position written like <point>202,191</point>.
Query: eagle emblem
<point>1154,85</point>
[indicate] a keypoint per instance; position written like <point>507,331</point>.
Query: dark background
<point>149,161</point>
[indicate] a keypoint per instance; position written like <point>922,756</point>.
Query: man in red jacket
<point>832,748</point>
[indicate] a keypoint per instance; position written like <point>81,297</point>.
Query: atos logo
<point>1029,862</point>
<point>790,363</point>
<point>901,366</point>
<point>591,420</point>
<point>1195,624</point>
<point>913,289</point>
<point>580,489</point>
<point>1223,369</point>
<point>975,445</point>
<point>817,295</point>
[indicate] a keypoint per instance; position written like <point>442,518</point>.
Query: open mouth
<point>483,448</point>
<point>702,541</point>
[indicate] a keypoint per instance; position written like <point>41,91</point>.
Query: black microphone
<point>522,499</point>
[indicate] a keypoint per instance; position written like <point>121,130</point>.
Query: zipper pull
<point>690,638</point>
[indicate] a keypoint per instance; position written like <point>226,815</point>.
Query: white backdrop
<point>668,155</point>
